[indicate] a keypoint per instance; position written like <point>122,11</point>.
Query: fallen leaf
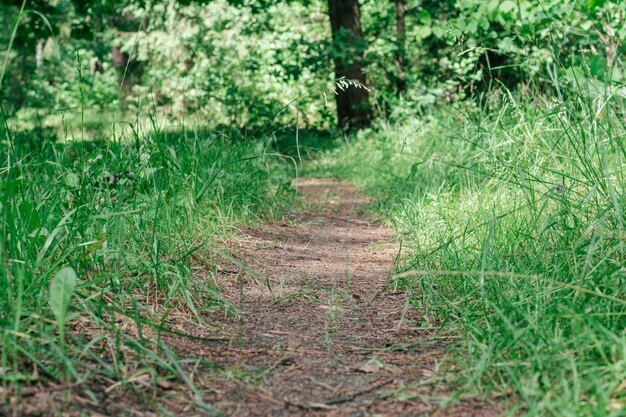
<point>372,366</point>
<point>166,385</point>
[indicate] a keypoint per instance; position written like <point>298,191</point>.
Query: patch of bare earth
<point>317,333</point>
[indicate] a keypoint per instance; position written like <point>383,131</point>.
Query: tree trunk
<point>353,107</point>
<point>400,39</point>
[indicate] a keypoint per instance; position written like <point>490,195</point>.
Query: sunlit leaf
<point>592,4</point>
<point>62,288</point>
<point>72,180</point>
<point>507,6</point>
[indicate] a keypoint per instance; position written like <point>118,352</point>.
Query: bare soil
<point>327,337</point>
<point>317,330</point>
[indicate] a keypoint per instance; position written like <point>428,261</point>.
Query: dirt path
<point>327,339</point>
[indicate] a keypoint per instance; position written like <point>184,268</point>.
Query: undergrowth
<point>107,239</point>
<point>512,218</point>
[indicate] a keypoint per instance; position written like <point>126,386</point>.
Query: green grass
<point>512,220</point>
<point>138,219</point>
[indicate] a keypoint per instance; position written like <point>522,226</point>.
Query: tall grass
<point>513,220</point>
<point>136,219</point>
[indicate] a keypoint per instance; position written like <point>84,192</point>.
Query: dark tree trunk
<point>120,59</point>
<point>401,39</point>
<point>353,106</point>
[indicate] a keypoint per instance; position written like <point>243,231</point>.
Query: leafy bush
<point>457,49</point>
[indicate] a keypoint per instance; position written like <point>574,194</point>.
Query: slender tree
<point>401,40</point>
<point>353,106</point>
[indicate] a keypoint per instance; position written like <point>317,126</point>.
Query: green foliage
<point>231,64</point>
<point>512,224</point>
<point>238,62</point>
<point>62,288</point>
<point>456,49</point>
<point>138,218</point>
